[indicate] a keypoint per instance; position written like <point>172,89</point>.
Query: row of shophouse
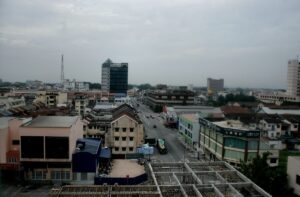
<point>234,134</point>
<point>14,103</point>
<point>61,149</point>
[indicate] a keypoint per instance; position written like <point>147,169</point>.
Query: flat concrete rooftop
<point>176,179</point>
<point>52,122</point>
<point>124,168</point>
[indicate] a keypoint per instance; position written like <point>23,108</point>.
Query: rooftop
<point>177,179</point>
<point>126,109</point>
<point>52,122</point>
<point>90,146</point>
<point>190,117</point>
<point>234,110</point>
<point>268,110</point>
<point>123,168</point>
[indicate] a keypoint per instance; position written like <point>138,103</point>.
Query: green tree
<point>272,179</point>
<point>145,86</point>
<point>95,86</point>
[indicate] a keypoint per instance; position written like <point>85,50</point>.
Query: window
<point>124,129</point>
<point>273,128</point>
<point>116,138</point>
<point>273,160</point>
<point>117,129</point>
<point>67,175</point>
<point>131,149</point>
<point>55,175</point>
<point>123,148</point>
<point>57,147</point>
<point>16,142</point>
<point>74,176</point>
<point>12,160</point>
<point>60,175</point>
<point>123,138</point>
<point>116,148</point>
<point>39,175</point>
<point>83,176</point>
<point>131,129</point>
<point>298,179</point>
<point>131,139</point>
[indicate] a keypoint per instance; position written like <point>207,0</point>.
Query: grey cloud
<point>173,42</point>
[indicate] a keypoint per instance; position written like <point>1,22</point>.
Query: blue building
<point>88,159</point>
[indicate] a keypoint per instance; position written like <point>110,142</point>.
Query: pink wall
<point>74,132</point>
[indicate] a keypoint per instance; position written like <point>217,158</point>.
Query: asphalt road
<point>176,151</point>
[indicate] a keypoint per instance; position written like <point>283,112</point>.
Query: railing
<point>121,181</point>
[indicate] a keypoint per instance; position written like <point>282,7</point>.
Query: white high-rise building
<point>293,78</point>
<point>105,84</point>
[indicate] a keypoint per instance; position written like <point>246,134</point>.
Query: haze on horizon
<point>175,42</point>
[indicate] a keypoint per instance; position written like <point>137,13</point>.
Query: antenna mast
<point>62,75</point>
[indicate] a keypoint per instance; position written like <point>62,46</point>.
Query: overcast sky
<point>175,42</point>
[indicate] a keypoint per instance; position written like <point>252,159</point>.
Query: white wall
<point>293,169</point>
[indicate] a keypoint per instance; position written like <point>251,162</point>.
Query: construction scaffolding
<point>199,179</point>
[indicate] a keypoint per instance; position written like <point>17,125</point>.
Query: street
<point>176,150</point>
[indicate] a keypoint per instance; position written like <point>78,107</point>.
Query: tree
<point>272,179</point>
<point>145,86</point>
<point>95,86</point>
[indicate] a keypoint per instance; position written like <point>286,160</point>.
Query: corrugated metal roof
<point>90,145</point>
<point>105,153</point>
<point>280,111</point>
<point>52,122</point>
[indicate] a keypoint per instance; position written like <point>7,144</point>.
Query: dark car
<point>154,126</point>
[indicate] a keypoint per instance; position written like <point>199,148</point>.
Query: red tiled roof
<point>234,110</point>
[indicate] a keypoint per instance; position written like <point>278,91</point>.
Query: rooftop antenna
<point>62,76</point>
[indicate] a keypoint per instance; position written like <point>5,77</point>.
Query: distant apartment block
<point>114,77</point>
<point>47,144</point>
<point>293,90</point>
<point>75,85</point>
<point>156,100</point>
<point>11,102</point>
<point>233,141</point>
<point>293,78</point>
<point>52,98</point>
<point>81,102</point>
<point>215,85</point>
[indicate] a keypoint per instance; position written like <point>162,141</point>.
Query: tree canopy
<point>271,179</point>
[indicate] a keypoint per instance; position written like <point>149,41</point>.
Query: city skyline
<point>248,44</point>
